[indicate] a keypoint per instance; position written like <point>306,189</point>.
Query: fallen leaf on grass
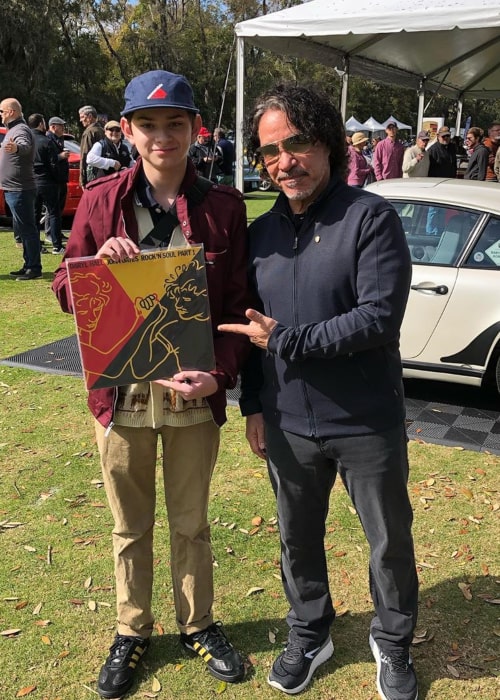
<point>221,688</point>
<point>25,691</point>
<point>454,672</point>
<point>37,608</point>
<point>155,685</point>
<point>467,493</point>
<point>92,605</point>
<point>42,623</point>
<point>178,667</point>
<point>22,604</point>
<point>466,590</point>
<point>28,548</point>
<point>253,591</point>
<point>10,633</point>
<point>46,640</point>
<point>272,637</point>
<point>88,583</point>
<point>257,520</point>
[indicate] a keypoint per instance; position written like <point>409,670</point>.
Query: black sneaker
<point>293,669</point>
<point>117,675</point>
<point>17,273</point>
<point>396,679</point>
<point>222,659</point>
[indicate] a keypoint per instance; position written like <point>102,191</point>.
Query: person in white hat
<point>108,154</point>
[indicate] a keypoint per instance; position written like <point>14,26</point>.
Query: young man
<point>184,411</point>
<point>388,156</point>
<point>323,393</point>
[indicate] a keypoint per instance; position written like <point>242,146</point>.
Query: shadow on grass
<point>459,634</point>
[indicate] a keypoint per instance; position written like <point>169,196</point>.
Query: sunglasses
<point>298,143</point>
<point>114,129</point>
<point>445,136</point>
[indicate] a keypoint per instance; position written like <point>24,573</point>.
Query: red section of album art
<point>141,319</point>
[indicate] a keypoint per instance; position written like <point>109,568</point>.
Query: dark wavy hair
<point>311,113</point>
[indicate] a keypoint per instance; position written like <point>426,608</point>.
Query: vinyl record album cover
<point>141,319</point>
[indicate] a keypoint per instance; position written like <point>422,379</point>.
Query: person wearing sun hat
<point>359,168</point>
<point>158,203</point>
<point>416,158</point>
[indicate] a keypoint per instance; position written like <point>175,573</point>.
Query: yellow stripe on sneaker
<point>204,653</point>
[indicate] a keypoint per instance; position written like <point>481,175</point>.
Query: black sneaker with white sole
<point>222,659</point>
<point>293,669</point>
<point>396,679</point>
<point>117,675</point>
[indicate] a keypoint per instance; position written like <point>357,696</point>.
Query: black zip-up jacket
<point>62,163</point>
<point>45,164</point>
<point>442,160</point>
<point>337,282</point>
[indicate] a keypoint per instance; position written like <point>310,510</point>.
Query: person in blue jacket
<point>323,391</point>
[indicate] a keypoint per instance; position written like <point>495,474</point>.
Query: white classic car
<point>451,329</point>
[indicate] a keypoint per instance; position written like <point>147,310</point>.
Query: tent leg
<point>460,106</point>
<point>420,115</point>
<point>343,95</point>
<point>240,71</point>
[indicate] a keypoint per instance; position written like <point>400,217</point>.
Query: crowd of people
<point>298,309</point>
<point>428,157</point>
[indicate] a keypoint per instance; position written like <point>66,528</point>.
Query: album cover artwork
<point>141,319</point>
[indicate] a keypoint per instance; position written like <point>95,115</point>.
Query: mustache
<point>290,174</point>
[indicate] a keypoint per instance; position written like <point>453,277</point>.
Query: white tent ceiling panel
<point>449,43</point>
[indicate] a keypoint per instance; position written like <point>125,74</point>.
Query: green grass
<point>56,575</point>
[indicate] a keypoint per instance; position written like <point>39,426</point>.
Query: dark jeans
<point>63,190</point>
<point>49,195</point>
<point>22,207</point>
<point>374,469</point>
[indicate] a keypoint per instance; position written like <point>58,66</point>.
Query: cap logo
<point>158,93</point>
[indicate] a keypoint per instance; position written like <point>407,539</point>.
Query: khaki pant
<point>128,460</point>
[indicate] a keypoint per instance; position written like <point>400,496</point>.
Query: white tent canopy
<point>352,124</point>
<point>447,45</point>
<point>399,124</point>
<point>372,124</point>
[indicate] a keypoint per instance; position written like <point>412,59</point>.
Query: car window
<point>435,234</point>
<point>72,146</point>
<point>486,252</point>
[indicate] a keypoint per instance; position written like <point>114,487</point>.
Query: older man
<point>323,392</point>
<point>92,133</point>
<point>416,158</point>
<point>443,155</point>
<point>55,134</point>
<point>18,183</point>
<point>388,156</point>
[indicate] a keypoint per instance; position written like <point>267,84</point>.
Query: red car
<point>74,189</point>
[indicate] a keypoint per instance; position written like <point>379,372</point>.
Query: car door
<point>436,236</point>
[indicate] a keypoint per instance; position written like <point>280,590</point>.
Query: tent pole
<point>343,95</point>
<point>240,70</point>
<point>460,106</point>
<point>421,98</point>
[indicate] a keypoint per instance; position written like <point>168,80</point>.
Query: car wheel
<point>265,185</point>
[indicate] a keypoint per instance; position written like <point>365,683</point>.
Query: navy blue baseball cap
<point>158,88</point>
